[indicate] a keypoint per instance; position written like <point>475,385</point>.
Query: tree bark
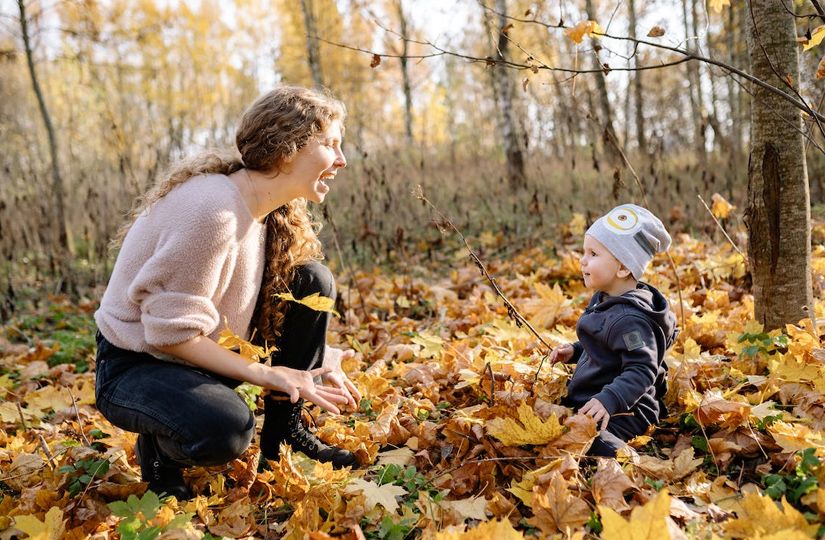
<point>63,240</point>
<point>611,141</point>
<point>778,212</point>
<point>694,82</point>
<point>405,73</point>
<point>641,139</point>
<point>313,52</point>
<point>505,97</point>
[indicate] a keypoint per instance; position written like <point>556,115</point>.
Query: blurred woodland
<point>511,115</point>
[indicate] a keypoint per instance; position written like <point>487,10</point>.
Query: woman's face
<point>316,164</point>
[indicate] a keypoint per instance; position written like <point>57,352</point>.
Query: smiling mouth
<point>325,178</point>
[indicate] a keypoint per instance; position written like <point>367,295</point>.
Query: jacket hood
<point>646,299</point>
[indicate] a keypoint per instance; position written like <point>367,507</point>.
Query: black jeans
<point>194,415</point>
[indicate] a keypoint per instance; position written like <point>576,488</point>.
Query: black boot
<point>163,475</point>
<point>283,423</point>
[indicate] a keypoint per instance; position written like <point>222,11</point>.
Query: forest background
<point>522,122</point>
<point>131,86</point>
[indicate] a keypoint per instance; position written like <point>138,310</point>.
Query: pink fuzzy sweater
<point>193,260</point>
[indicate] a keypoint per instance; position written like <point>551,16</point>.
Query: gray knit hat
<point>633,235</point>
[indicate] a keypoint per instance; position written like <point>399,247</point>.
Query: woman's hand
<point>300,384</point>
<point>562,353</point>
<point>336,378</point>
<point>596,410</point>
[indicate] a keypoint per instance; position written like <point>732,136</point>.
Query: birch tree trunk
<point>313,52</point>
<point>641,139</point>
<point>778,213</point>
<point>505,97</point>
<point>611,141</point>
<point>405,73</point>
<point>63,240</point>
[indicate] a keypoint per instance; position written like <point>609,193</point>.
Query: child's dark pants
<point>195,416</point>
<point>619,430</point>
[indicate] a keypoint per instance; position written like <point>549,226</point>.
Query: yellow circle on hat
<point>622,220</point>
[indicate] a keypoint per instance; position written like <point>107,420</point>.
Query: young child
<point>620,378</point>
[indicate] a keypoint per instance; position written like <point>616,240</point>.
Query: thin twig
<point>22,418</point>
<point>489,367</point>
<point>511,309</point>
<point>79,419</point>
<point>732,243</point>
<point>46,450</point>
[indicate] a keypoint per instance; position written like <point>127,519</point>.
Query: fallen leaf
<point>469,508</point>
<point>531,430</point>
<point>384,495</point>
<point>557,509</point>
<point>51,528</point>
<point>609,485</point>
<point>499,530</point>
<point>761,515</point>
<point>648,522</point>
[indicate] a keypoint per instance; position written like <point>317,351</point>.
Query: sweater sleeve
<point>632,339</point>
<point>175,288</point>
<point>578,349</point>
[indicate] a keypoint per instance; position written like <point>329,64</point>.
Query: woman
<point>207,249</point>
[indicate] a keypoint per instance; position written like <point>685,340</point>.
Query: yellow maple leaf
<point>532,429</point>
<point>761,516</point>
<point>500,530</point>
<point>549,307</point>
<point>251,353</point>
<point>313,301</point>
<point>648,522</point>
<point>720,207</point>
<point>816,38</point>
<point>384,495</point>
<point>718,5</point>
<point>431,345</point>
<point>795,437</point>
<point>49,397</point>
<point>558,509</point>
<point>49,529</point>
<point>584,28</point>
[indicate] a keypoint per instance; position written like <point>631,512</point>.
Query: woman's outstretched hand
<point>300,384</point>
<point>336,377</point>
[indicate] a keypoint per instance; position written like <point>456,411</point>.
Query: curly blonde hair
<point>271,131</point>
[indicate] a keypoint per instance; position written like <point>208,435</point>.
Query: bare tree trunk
<point>63,240</point>
<point>733,99</point>
<point>313,53</point>
<point>405,74</point>
<point>611,141</point>
<point>694,83</point>
<point>505,97</point>
<point>778,214</point>
<point>637,86</point>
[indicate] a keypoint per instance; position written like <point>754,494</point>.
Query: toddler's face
<point>599,267</point>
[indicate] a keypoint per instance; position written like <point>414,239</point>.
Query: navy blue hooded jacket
<point>620,353</point>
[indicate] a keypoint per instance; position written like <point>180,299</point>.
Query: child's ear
<point>623,273</point>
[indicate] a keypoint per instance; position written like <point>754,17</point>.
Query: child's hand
<point>596,410</point>
<point>562,353</point>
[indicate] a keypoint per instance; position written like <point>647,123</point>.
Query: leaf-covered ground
<point>457,436</point>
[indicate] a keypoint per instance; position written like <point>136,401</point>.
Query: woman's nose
<point>340,160</point>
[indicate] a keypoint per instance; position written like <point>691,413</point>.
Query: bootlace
<point>299,431</point>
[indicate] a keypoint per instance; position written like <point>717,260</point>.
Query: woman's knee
<point>314,277</point>
<point>222,444</point>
